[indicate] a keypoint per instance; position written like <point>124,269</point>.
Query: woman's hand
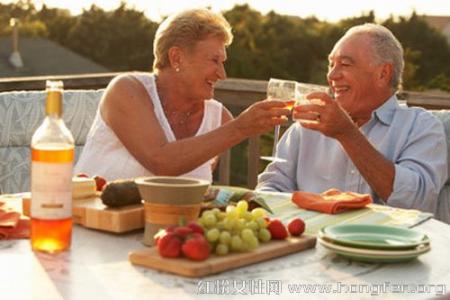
<point>262,116</point>
<point>128,111</point>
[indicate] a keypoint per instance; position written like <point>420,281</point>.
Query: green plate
<point>374,236</point>
<point>373,255</point>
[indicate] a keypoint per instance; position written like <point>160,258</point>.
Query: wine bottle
<point>52,156</point>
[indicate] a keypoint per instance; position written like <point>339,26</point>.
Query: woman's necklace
<point>177,117</point>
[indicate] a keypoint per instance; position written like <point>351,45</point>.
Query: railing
<point>236,94</point>
<point>75,82</point>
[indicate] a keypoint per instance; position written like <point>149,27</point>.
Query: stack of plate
<point>374,243</point>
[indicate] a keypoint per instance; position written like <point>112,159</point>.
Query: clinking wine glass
<point>303,89</point>
<point>283,90</point>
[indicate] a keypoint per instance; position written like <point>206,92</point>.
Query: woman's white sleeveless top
<point>105,155</point>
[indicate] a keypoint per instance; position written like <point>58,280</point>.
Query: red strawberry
<point>277,230</point>
<point>196,227</point>
<point>296,227</point>
<point>100,182</point>
<point>159,235</point>
<point>169,245</point>
<point>196,247</point>
<point>82,175</point>
<point>183,231</point>
<point>163,232</point>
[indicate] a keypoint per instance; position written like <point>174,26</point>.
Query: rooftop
<point>41,56</point>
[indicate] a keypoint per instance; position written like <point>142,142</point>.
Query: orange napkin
<point>11,225</point>
<point>332,201</point>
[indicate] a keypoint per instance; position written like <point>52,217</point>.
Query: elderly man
<point>363,140</point>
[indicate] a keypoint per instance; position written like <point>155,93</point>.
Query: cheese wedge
<point>83,188</point>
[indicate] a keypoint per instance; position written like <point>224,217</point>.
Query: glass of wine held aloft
<point>283,90</point>
<point>301,91</point>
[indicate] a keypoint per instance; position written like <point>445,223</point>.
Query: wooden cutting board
<point>150,258</point>
<point>92,213</point>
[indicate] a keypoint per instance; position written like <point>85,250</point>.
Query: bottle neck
<point>53,104</point>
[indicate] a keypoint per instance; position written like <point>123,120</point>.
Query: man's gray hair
<point>386,49</point>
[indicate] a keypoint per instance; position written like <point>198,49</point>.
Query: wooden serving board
<point>150,258</point>
<point>92,213</point>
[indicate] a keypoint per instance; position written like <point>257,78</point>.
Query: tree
<point>244,55</point>
<point>58,23</point>
<point>347,23</point>
<point>25,12</point>
<point>426,51</point>
<point>120,40</point>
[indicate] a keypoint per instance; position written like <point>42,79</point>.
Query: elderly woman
<point>166,122</point>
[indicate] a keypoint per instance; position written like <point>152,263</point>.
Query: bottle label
<point>51,190</point>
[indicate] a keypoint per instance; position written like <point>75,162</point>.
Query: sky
<point>323,9</point>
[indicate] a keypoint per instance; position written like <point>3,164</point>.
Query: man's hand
<point>335,122</point>
<point>331,119</point>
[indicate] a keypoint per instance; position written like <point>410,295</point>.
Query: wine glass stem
<point>276,136</point>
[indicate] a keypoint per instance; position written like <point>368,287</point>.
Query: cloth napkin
<point>332,201</point>
<point>12,226</point>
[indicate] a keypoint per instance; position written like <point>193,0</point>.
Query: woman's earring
<point>177,69</point>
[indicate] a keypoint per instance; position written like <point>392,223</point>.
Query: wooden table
<point>97,267</point>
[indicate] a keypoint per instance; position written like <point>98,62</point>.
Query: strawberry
<point>196,247</point>
<point>159,235</point>
<point>169,245</point>
<point>100,182</point>
<point>82,175</point>
<point>296,227</point>
<point>196,227</point>
<point>183,231</point>
<point>277,230</point>
<point>163,232</point>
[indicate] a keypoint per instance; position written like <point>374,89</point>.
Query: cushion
<point>21,113</point>
<point>444,116</point>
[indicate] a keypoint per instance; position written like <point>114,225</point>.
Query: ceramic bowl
<point>167,200</point>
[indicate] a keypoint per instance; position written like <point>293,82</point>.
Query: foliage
<point>244,55</point>
<point>58,23</point>
<point>25,12</point>
<point>440,81</point>
<point>428,52</point>
<point>121,39</point>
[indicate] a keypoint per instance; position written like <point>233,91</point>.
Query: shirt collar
<point>385,113</point>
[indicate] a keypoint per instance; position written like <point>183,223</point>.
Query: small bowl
<point>168,199</point>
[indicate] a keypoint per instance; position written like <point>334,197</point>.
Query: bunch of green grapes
<point>236,229</point>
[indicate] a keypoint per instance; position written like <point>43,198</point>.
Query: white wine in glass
<point>303,89</point>
<point>284,90</point>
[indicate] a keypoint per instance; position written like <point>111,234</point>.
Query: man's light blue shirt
<point>412,138</point>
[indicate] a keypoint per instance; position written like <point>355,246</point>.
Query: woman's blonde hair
<point>185,29</point>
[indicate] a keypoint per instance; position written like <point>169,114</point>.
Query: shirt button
<point>352,172</point>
